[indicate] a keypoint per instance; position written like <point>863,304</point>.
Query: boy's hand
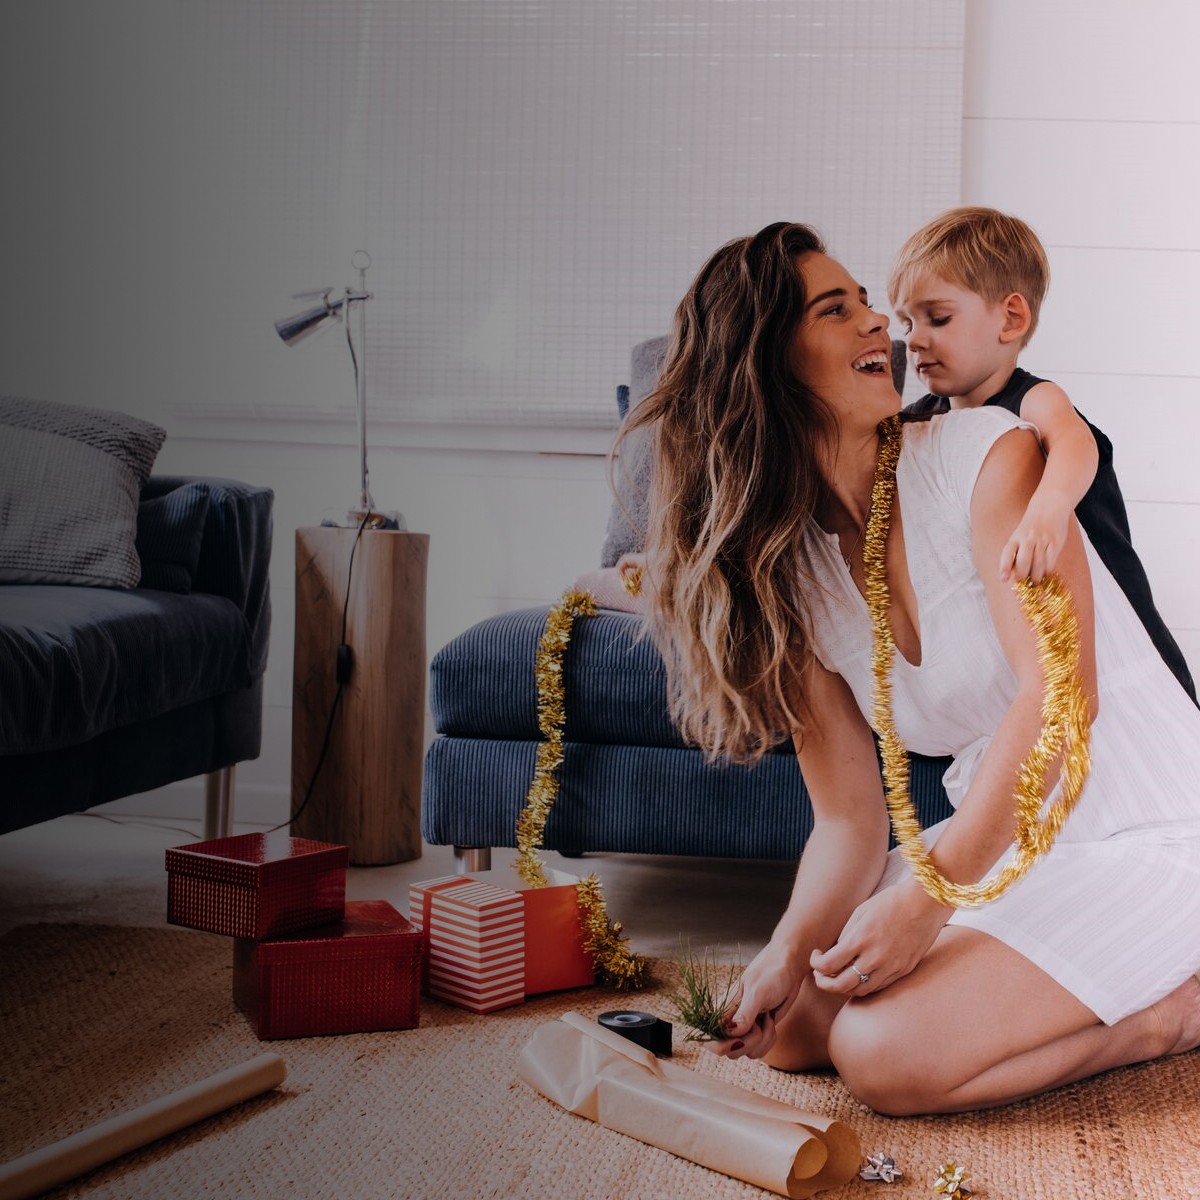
<point>1036,543</point>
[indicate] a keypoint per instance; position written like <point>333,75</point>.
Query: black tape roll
<point>643,1028</point>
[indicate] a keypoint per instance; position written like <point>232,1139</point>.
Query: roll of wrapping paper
<point>34,1173</point>
<point>589,1070</point>
<point>643,1028</point>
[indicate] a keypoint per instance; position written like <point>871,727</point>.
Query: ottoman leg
<point>472,858</point>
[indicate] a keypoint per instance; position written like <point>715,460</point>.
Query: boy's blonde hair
<point>981,249</point>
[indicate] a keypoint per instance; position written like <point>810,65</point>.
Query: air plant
<point>702,1000</point>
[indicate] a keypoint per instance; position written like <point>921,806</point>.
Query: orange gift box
<point>554,955</point>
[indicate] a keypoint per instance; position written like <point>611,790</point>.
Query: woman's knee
<point>868,1045</point>
<point>798,1055</point>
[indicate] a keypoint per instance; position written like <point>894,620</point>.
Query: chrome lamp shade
<point>297,328</point>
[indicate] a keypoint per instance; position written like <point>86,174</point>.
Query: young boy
<point>968,288</point>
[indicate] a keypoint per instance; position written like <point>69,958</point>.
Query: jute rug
<point>99,1019</point>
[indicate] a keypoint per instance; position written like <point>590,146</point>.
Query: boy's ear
<point>1017,317</point>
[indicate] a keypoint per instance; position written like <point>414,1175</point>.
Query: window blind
<point>537,181</point>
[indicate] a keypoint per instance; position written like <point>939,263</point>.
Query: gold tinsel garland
<point>1065,725</point>
<point>616,965</point>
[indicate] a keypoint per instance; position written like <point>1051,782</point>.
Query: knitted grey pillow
<point>626,532</point>
<point>70,479</point>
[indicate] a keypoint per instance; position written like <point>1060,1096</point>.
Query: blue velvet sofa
<point>628,783</point>
<point>108,691</point>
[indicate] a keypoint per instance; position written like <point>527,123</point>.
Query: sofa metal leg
<point>472,858</point>
<point>218,803</point>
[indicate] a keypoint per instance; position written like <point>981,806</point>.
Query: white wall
<point>1084,119</point>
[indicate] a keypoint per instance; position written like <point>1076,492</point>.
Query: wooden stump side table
<point>368,793</point>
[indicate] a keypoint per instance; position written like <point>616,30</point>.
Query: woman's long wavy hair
<point>735,481</point>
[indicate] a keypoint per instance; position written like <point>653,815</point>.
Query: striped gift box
<point>476,939</point>
<point>420,895</point>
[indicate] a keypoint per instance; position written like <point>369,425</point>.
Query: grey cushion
<point>70,479</point>
<point>631,472</point>
<point>626,530</point>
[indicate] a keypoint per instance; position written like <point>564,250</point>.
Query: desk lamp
<point>296,328</point>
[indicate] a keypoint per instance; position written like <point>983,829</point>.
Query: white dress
<point>1112,912</point>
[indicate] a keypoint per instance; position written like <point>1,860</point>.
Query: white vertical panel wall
<point>1084,119</point>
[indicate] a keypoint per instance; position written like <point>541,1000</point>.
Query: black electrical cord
<point>342,665</point>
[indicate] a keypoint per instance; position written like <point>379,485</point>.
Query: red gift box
<point>554,955</point>
<point>256,885</point>
<point>359,976</point>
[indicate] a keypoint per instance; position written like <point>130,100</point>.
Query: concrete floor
<point>100,869</point>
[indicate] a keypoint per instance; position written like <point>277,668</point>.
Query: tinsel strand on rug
<point>616,965</point>
<point>1066,729</point>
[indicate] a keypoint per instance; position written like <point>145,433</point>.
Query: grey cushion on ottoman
<point>631,473</point>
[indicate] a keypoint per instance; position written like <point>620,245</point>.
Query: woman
<point>767,426</point>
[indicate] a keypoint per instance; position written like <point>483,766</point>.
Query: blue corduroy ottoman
<point>628,784</point>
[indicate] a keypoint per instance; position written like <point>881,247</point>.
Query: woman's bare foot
<point>1179,1015</point>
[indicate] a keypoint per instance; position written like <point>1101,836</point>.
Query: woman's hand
<point>884,939</point>
<point>622,587</point>
<point>767,989</point>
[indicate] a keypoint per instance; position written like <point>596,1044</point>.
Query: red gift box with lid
<point>361,975</point>
<point>256,885</point>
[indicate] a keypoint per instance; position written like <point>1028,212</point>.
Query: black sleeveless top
<point>1102,514</point>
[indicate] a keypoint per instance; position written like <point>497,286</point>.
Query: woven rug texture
<point>99,1019</point>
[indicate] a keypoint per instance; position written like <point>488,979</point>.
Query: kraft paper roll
<point>598,1074</point>
<point>43,1169</point>
<point>644,1029</point>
